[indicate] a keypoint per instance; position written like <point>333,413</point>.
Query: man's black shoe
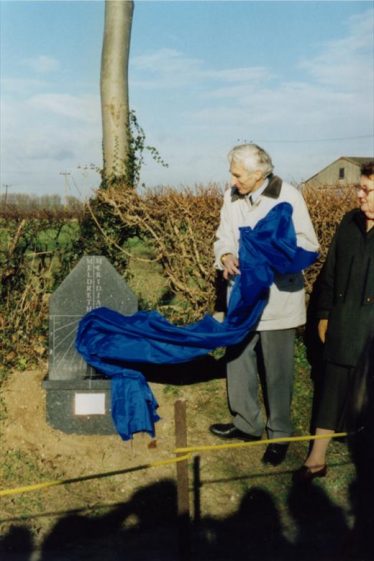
<point>275,454</point>
<point>229,431</point>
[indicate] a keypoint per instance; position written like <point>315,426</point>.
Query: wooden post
<point>182,482</point>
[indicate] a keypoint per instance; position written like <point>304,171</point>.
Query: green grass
<point>171,390</point>
<point>50,238</point>
<point>303,390</point>
<point>144,274</point>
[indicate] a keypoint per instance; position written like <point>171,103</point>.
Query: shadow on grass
<point>146,528</point>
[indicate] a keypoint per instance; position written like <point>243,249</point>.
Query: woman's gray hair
<point>252,157</point>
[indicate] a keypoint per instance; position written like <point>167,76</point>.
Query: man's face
<point>365,193</point>
<point>245,181</point>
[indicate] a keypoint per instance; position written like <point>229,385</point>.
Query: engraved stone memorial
<point>78,397</point>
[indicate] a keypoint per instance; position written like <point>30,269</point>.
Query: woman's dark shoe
<point>305,474</point>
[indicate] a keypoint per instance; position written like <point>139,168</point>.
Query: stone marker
<point>79,398</point>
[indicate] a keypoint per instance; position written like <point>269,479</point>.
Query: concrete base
<point>80,406</point>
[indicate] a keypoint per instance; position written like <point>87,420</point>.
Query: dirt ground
<point>132,515</point>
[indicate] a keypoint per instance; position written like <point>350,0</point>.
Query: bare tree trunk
<point>114,87</point>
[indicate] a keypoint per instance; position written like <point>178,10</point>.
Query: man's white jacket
<point>286,304</point>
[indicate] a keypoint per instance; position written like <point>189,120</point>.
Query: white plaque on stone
<point>89,404</point>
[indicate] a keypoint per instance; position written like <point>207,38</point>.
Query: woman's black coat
<point>346,296</point>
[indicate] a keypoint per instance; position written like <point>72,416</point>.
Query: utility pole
<point>66,185</point>
<point>6,186</point>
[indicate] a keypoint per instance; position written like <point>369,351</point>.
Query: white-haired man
<point>254,193</point>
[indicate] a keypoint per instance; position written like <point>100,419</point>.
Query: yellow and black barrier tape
<point>187,452</point>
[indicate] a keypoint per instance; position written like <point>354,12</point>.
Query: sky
<point>296,77</point>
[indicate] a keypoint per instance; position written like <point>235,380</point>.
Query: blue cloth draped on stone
<point>114,344</point>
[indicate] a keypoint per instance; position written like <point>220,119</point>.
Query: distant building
<point>342,172</point>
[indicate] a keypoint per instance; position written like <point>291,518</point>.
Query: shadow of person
<point>146,528</point>
<point>254,532</point>
<point>17,544</point>
<point>322,531</point>
<point>154,521</point>
<point>361,446</point>
<point>120,534</point>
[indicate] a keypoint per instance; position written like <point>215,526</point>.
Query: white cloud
<point>171,69</point>
<point>252,74</point>
<point>45,134</point>
<point>214,109</point>
<point>166,61</point>
<point>345,63</point>
<point>165,68</point>
<point>42,64</point>
<point>331,103</point>
<point>85,108</point>
<point>18,86</point>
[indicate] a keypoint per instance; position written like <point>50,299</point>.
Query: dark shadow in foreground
<point>18,543</point>
<point>145,528</point>
<point>361,445</point>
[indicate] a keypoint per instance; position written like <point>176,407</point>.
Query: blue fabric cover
<point>113,344</point>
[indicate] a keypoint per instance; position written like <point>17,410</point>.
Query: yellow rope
<point>187,451</point>
<point>214,447</point>
<point>45,484</point>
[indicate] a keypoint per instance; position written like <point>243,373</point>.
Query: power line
<point>318,139</point>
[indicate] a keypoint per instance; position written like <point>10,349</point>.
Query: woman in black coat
<point>346,311</point>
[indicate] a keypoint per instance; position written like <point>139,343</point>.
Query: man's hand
<point>231,264</point>
<point>322,328</point>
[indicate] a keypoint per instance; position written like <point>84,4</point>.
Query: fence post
<point>183,504</point>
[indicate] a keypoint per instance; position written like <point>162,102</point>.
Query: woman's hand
<point>322,328</point>
<point>231,264</point>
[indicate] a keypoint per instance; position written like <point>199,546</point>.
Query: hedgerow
<point>35,255</point>
<point>39,248</point>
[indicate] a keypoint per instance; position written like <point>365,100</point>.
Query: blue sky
<point>296,77</point>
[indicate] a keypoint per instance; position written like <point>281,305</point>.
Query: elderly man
<point>254,193</point>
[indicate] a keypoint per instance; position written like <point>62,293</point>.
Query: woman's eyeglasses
<point>358,189</point>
